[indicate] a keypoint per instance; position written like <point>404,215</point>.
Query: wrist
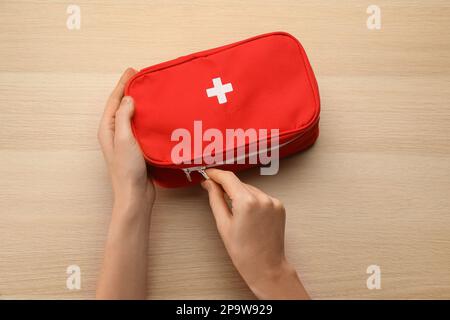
<point>130,196</point>
<point>281,282</point>
<point>133,203</point>
<point>131,209</point>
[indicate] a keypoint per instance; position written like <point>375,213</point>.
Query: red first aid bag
<point>191,112</point>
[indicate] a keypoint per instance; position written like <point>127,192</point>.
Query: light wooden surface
<point>373,190</point>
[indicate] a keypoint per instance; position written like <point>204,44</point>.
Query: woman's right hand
<point>253,233</point>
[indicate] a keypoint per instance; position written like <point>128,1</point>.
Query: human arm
<point>253,234</point>
<point>124,271</point>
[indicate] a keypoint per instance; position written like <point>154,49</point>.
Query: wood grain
<point>373,190</point>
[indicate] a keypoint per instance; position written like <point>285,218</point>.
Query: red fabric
<point>273,88</point>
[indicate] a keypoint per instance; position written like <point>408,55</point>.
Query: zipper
<point>201,169</point>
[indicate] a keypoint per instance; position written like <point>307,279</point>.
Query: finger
<point>123,119</point>
<point>254,190</point>
<point>117,94</point>
<point>229,182</point>
<point>259,193</point>
<point>264,196</point>
<point>105,140</point>
<point>219,206</point>
<point>106,128</point>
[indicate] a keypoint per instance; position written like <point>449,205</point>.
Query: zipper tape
<point>201,169</point>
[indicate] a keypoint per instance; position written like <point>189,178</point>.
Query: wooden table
<point>374,190</point>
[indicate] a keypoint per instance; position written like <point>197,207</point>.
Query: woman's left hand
<point>126,164</point>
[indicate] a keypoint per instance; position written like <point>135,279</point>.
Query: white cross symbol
<point>219,90</point>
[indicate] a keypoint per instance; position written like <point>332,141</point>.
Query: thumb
<point>123,118</point>
<point>219,206</point>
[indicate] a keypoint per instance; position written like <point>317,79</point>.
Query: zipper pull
<point>201,170</point>
<point>203,173</point>
<point>187,172</point>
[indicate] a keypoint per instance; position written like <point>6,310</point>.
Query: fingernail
<point>127,100</point>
